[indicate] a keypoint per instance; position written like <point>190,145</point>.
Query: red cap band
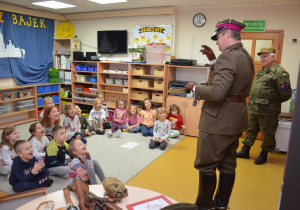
<point>230,26</point>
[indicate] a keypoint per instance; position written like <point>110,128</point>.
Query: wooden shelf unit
<point>101,84</point>
<point>20,117</point>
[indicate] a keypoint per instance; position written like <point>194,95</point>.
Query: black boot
<point>207,185</point>
<point>226,182</point>
<point>244,153</point>
<point>262,158</point>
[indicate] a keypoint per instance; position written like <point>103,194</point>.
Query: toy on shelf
<point>54,75</point>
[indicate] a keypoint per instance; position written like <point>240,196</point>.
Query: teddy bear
<point>54,75</point>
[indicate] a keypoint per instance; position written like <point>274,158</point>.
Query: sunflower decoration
<point>65,30</point>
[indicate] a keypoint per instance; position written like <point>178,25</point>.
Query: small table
<point>135,194</point>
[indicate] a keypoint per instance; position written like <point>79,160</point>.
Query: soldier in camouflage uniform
<point>271,87</point>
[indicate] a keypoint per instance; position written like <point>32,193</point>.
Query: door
<point>253,41</point>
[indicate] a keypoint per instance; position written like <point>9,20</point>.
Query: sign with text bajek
<point>254,25</point>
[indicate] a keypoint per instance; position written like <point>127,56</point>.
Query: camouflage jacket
<point>270,88</point>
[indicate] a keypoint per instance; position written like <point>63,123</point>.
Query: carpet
<point>115,160</point>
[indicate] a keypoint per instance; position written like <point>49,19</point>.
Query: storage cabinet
<point>191,114</point>
<point>21,103</point>
<point>120,80</point>
<point>48,90</point>
<point>147,81</point>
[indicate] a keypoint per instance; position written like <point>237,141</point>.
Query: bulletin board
<point>143,35</point>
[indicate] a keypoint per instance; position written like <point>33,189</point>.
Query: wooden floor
<point>256,187</point>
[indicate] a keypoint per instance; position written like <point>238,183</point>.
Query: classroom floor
<point>257,187</point>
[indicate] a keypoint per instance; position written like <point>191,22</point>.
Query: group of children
<point>29,164</point>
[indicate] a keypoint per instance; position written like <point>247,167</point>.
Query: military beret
<point>227,24</point>
<point>266,50</point>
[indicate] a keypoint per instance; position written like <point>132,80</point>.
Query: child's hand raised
<point>38,166</point>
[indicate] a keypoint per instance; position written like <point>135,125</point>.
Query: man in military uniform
<point>224,114</point>
<point>271,87</point>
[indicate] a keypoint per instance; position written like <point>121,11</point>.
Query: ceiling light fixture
<point>109,1</point>
<point>53,4</point>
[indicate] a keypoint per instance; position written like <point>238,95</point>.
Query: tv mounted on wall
<point>112,42</point>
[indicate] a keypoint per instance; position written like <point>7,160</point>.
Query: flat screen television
<point>112,42</point>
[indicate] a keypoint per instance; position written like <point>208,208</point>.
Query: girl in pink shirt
<point>119,118</point>
<point>132,120</point>
<point>148,118</point>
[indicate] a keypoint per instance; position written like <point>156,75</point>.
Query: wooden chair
<point>10,202</point>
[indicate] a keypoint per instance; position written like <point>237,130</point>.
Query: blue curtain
<point>28,47</point>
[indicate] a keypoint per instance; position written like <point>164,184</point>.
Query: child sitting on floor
<point>132,120</point>
<point>10,136</point>
<point>48,101</point>
<point>106,123</point>
<point>82,166</point>
<point>96,117</point>
<point>55,159</point>
<point>119,118</point>
<point>72,124</point>
<point>28,173</point>
<point>85,125</point>
<point>50,119</point>
<point>38,140</point>
<point>176,120</point>
<point>148,118</point>
<point>161,131</point>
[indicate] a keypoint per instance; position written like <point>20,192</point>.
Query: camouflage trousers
<point>267,125</point>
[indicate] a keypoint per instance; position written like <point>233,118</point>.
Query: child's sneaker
<point>93,132</point>
<point>117,133</point>
<point>125,130</point>
<point>47,183</point>
<point>110,133</point>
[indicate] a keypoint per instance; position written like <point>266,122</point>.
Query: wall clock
<point>199,20</point>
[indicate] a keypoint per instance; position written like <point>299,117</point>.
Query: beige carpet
<point>173,174</point>
<point>115,160</point>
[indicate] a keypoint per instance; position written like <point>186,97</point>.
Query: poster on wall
<point>143,35</point>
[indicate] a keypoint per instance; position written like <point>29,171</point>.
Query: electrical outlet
<point>192,38</point>
<point>294,40</point>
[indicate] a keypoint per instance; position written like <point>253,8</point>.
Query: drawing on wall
<point>10,51</point>
<point>143,35</point>
<point>65,30</point>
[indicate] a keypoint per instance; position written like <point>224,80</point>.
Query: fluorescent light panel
<point>53,4</point>
<point>108,1</point>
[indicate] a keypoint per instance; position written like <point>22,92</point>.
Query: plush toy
<point>54,75</point>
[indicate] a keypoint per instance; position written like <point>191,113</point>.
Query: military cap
<point>266,50</point>
<point>227,24</point>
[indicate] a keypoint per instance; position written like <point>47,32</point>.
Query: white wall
<point>278,17</point>
<point>86,30</point>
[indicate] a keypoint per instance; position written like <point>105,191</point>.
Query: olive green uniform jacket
<point>270,88</point>
<point>232,74</point>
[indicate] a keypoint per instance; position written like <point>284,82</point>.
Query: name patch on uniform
<point>285,87</point>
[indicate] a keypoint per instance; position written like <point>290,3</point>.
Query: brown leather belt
<point>235,99</point>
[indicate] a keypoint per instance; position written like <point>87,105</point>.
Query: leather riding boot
<point>207,185</point>
<point>262,158</point>
<point>226,182</point>
<point>244,153</point>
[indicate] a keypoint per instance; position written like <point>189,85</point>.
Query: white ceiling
<point>88,6</point>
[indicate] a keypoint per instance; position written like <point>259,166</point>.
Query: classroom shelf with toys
<point>21,104</point>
